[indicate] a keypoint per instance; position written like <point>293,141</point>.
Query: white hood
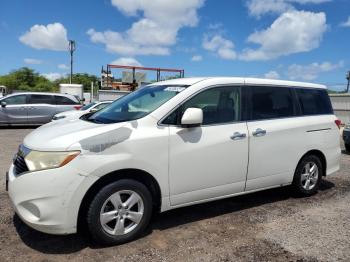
<point>60,135</point>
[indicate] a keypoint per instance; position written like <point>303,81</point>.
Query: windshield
<point>86,107</point>
<point>137,104</point>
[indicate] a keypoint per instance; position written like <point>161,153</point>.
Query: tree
<point>80,78</point>
<point>26,79</point>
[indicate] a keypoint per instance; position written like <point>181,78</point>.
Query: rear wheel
<point>308,176</point>
<point>347,147</point>
<point>120,212</point>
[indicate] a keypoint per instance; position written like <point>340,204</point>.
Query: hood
<point>60,135</point>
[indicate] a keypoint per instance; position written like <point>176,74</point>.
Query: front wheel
<point>120,212</point>
<point>308,176</point>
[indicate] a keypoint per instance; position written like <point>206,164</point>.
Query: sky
<point>301,40</point>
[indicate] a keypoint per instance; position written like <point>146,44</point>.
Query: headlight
<point>58,117</point>
<point>39,160</point>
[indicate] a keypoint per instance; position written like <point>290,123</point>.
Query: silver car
<point>34,108</point>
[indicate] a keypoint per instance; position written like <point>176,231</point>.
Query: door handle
<point>259,132</point>
<point>237,136</point>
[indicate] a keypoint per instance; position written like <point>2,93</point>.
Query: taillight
<point>338,123</point>
<point>77,107</point>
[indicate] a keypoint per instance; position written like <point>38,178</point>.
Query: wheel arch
<point>320,155</point>
<point>137,174</point>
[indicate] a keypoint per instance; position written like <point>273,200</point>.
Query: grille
<point>19,163</point>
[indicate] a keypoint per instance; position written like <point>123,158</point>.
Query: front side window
<point>220,105</point>
<point>268,102</point>
<point>314,101</point>
<point>16,100</point>
<point>136,104</point>
<point>40,99</point>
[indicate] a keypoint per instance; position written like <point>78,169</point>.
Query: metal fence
<point>341,106</point>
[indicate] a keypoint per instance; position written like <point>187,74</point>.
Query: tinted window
<point>271,102</point>
<point>86,107</point>
<point>40,99</point>
<point>62,100</point>
<point>15,100</point>
<point>314,101</point>
<point>219,105</point>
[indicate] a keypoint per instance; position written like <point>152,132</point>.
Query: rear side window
<point>40,99</point>
<point>62,100</point>
<point>268,102</point>
<point>314,101</point>
<point>220,105</point>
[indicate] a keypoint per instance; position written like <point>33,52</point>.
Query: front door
<point>211,160</point>
<point>15,110</point>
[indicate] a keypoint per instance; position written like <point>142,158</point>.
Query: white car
<point>75,114</point>
<point>173,144</point>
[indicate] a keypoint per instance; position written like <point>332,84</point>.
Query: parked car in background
<point>346,137</point>
<point>34,108</point>
<point>75,114</point>
<point>172,144</point>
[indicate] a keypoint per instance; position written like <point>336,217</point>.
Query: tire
<point>347,147</point>
<point>306,181</point>
<point>110,221</point>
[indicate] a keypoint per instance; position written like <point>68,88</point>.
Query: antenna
<point>71,51</point>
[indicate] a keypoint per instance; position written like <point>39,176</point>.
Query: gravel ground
<point>266,226</point>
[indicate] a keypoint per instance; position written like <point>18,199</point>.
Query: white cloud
<point>32,61</point>
<point>258,8</point>
<point>346,23</point>
<point>311,71</point>
<point>196,58</point>
<point>292,32</point>
<point>272,75</point>
<point>52,76</point>
<point>154,32</point>
<point>63,67</point>
<point>224,48</point>
<point>126,61</point>
<point>51,37</point>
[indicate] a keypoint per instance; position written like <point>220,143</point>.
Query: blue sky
<point>306,40</point>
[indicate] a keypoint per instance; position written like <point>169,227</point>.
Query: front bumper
<point>49,200</point>
<point>346,136</point>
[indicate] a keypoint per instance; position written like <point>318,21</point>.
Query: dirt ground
<point>266,226</point>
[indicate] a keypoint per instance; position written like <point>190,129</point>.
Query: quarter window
<point>270,102</point>
<point>61,100</point>
<point>314,101</point>
<point>219,105</point>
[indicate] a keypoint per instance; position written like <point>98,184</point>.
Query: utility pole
<point>348,78</point>
<point>71,51</point>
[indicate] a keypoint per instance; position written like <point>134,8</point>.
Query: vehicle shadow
<point>53,244</point>
<point>345,152</point>
<point>19,127</point>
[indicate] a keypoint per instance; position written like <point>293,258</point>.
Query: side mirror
<point>192,117</point>
<point>93,110</point>
<point>3,104</point>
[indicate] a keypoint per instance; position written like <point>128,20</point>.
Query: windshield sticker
<point>175,89</point>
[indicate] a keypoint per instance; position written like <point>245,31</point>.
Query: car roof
<point>239,80</point>
<point>40,93</point>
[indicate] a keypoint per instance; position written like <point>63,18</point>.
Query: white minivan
<point>172,144</point>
